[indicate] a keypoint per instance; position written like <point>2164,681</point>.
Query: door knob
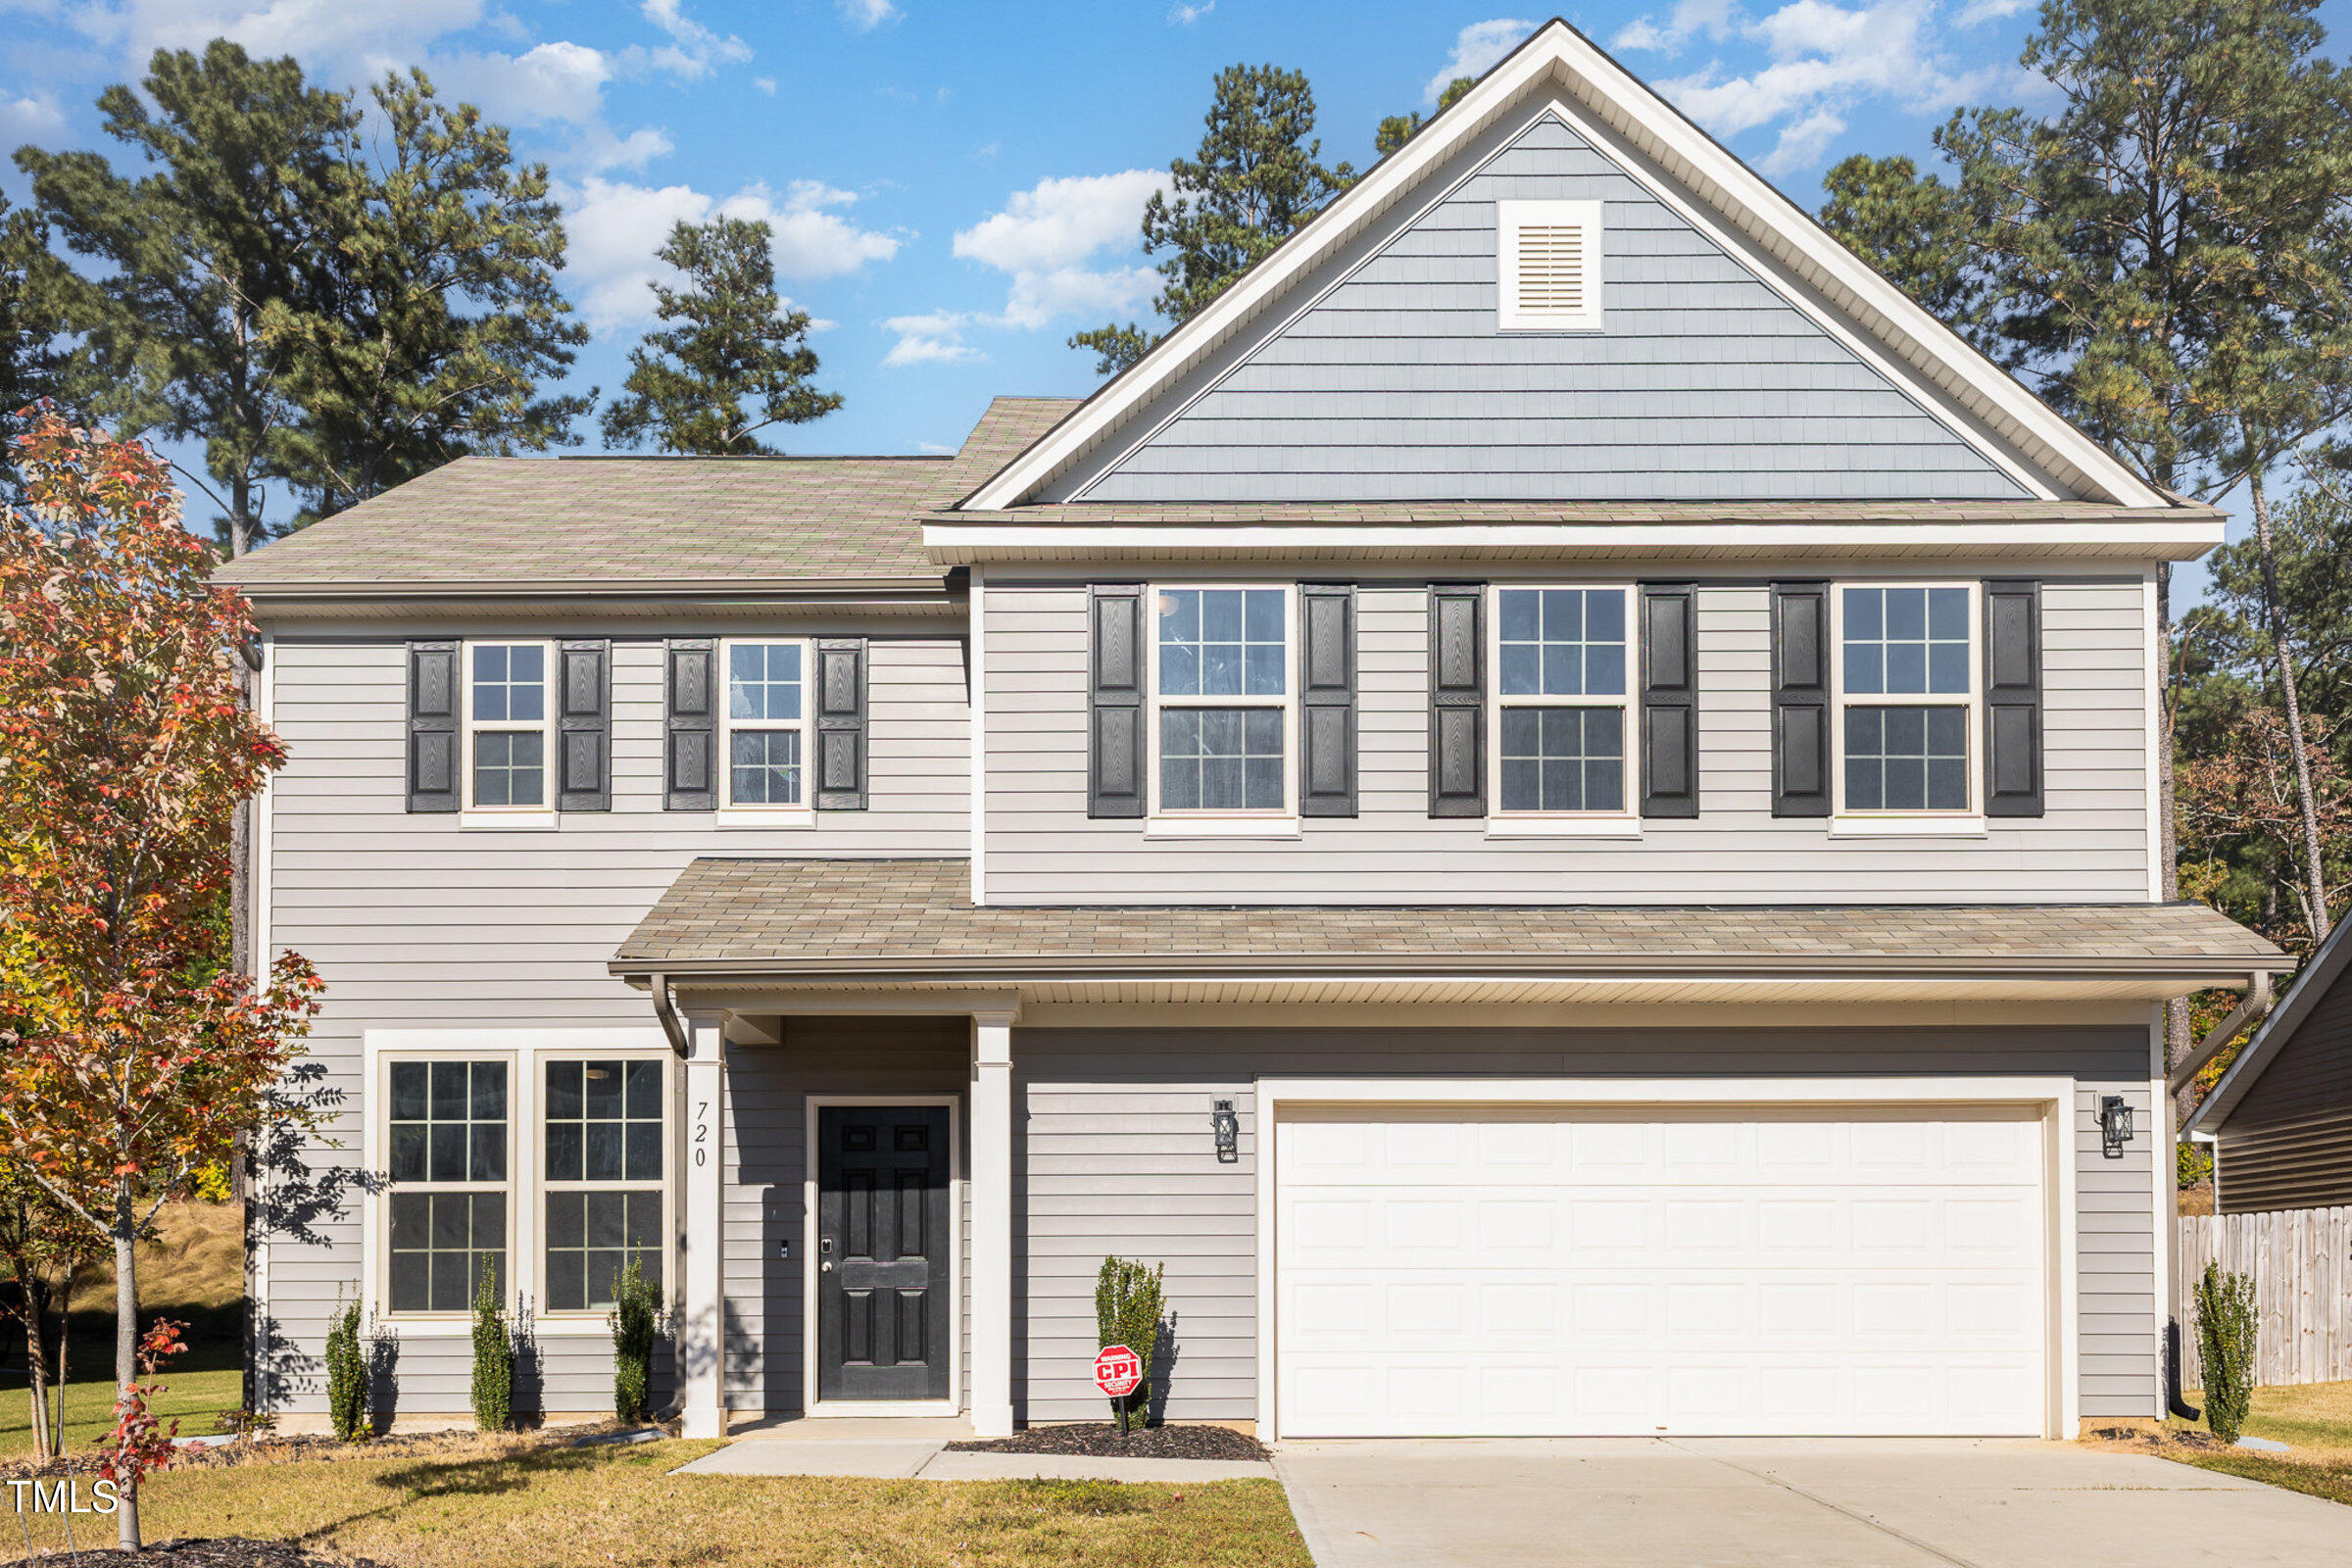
<point>824,1268</point>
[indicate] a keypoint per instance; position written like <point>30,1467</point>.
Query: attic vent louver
<point>1549,266</point>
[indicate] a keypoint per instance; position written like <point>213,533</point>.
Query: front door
<point>885,1299</point>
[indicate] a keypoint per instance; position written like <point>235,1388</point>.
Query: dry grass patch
<point>575,1507</point>
<point>2314,1420</point>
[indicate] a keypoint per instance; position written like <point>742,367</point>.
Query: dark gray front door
<point>884,1298</point>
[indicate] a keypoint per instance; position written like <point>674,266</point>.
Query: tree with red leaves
<point>130,1055</point>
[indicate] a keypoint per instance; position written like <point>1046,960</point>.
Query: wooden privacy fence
<point>2302,1260</point>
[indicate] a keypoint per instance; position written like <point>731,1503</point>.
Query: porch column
<point>990,1143</point>
<point>701,1336</point>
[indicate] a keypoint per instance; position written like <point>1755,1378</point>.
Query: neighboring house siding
<point>2288,1142</point>
<point>416,923</point>
<point>1385,377</point>
<point>1115,1155</point>
<point>2090,844</point>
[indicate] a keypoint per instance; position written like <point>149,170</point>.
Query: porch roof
<point>847,921</point>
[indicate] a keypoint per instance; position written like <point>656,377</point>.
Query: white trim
<point>259,873</point>
<point>801,812</point>
<point>1511,221</point>
<point>501,819</point>
<point>1966,821</point>
<point>1626,821</point>
<point>2054,1095</point>
<point>810,1404</point>
<point>1910,335</point>
<point>2156,656</point>
<point>990,1088</point>
<point>976,718</point>
<point>698,1333</point>
<point>1244,822</point>
<point>2165,537</point>
<point>543,814</point>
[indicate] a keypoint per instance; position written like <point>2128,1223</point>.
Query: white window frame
<point>526,1052</point>
<point>1966,822</point>
<point>542,1185</point>
<point>542,815</point>
<point>1513,216</point>
<point>1623,823</point>
<point>1162,823</point>
<point>803,813</point>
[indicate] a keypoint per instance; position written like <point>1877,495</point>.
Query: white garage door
<point>1828,1270</point>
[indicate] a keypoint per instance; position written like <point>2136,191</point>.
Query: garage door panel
<point>1541,1272</point>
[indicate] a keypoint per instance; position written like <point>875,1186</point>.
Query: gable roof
<point>1559,66</point>
<point>561,525</point>
<point>2312,983</point>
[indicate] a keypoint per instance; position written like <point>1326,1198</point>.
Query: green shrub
<point>346,1374</point>
<point>2227,1330</point>
<point>636,1320</point>
<point>493,1355</point>
<point>2191,1164</point>
<point>1127,1311</point>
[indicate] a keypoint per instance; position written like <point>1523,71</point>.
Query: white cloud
<point>766,84</point>
<point>1802,144</point>
<point>933,338</point>
<point>1181,15</point>
<point>1060,221</point>
<point>1689,18</point>
<point>865,16</point>
<point>1476,48</point>
<point>694,50</point>
<point>375,33</point>
<point>552,83</point>
<point>1979,12</point>
<point>615,227</point>
<point>28,117</point>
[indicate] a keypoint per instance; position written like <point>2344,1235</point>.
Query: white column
<point>702,1303</point>
<point>991,1141</point>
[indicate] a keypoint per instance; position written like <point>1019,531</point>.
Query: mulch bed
<point>2150,1440</point>
<point>229,1551</point>
<point>1099,1440</point>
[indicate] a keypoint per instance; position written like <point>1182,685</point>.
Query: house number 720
<point>702,1132</point>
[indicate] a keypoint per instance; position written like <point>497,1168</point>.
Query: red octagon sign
<point>1117,1370</point>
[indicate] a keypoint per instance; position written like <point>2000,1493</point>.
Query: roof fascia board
<point>2311,983</point>
<point>1634,111</point>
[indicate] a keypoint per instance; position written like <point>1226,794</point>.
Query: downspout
<point>2255,1005</point>
<point>667,1010</point>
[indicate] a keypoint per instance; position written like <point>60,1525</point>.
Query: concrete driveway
<point>1849,1504</point>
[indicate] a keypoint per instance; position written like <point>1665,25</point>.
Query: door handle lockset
<point>826,1267</point>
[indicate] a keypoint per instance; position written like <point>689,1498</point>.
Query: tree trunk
<point>126,1350</point>
<point>65,1331</point>
<point>2315,876</point>
<point>36,1361</point>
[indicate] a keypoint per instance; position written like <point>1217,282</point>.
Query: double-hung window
<point>603,1119</point>
<point>1906,698</point>
<point>1221,699</point>
<point>1563,703</point>
<point>508,738</point>
<point>446,1137</point>
<point>765,726</point>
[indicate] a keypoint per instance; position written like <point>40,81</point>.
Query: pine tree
<point>30,361</point>
<point>1395,130</point>
<point>1257,179</point>
<point>734,342</point>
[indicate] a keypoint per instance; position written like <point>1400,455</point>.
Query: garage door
<point>1823,1271</point>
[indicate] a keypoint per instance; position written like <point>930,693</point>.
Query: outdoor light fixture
<point>1229,1132</point>
<point>2115,1125</point>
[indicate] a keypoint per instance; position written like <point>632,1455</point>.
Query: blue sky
<point>955,187</point>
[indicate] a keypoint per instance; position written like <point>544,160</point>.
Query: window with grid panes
<point>1222,657</point>
<point>1907,689</point>
<point>1562,711</point>
<point>604,1121</point>
<point>446,1138</point>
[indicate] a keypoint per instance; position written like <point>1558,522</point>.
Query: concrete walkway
<point>872,1449</point>
<point>1849,1504</point>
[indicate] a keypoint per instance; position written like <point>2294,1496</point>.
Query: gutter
<point>348,590</point>
<point>667,1011</point>
<point>2255,1004</point>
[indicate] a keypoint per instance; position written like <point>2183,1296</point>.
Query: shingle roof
<point>597,522</point>
<point>900,916</point>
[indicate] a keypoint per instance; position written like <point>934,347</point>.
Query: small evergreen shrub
<point>346,1373</point>
<point>636,1321</point>
<point>1127,1311</point>
<point>493,1355</point>
<point>2227,1330</point>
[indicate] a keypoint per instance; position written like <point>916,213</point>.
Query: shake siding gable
<point>2089,845</point>
<point>1387,378</point>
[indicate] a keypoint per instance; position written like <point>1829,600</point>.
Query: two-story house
<point>1555,802</point>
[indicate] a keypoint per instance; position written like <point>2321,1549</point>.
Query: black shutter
<point>434,726</point>
<point>841,724</point>
<point>1800,699</point>
<point>2012,698</point>
<point>1669,700</point>
<point>1114,661</point>
<point>1327,699</point>
<point>1457,699</point>
<point>584,724</point>
<point>689,746</point>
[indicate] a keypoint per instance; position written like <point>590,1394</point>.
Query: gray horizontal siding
<point>2288,1143</point>
<point>2090,844</point>
<point>1395,382</point>
<point>1115,1154</point>
<point>417,924</point>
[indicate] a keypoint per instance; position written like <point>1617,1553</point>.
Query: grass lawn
<point>2314,1419</point>
<point>572,1507</point>
<point>192,1398</point>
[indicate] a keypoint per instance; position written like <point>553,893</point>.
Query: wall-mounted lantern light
<point>2115,1125</point>
<point>1228,1128</point>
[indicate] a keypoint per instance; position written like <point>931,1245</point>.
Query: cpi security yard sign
<point>1117,1370</point>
